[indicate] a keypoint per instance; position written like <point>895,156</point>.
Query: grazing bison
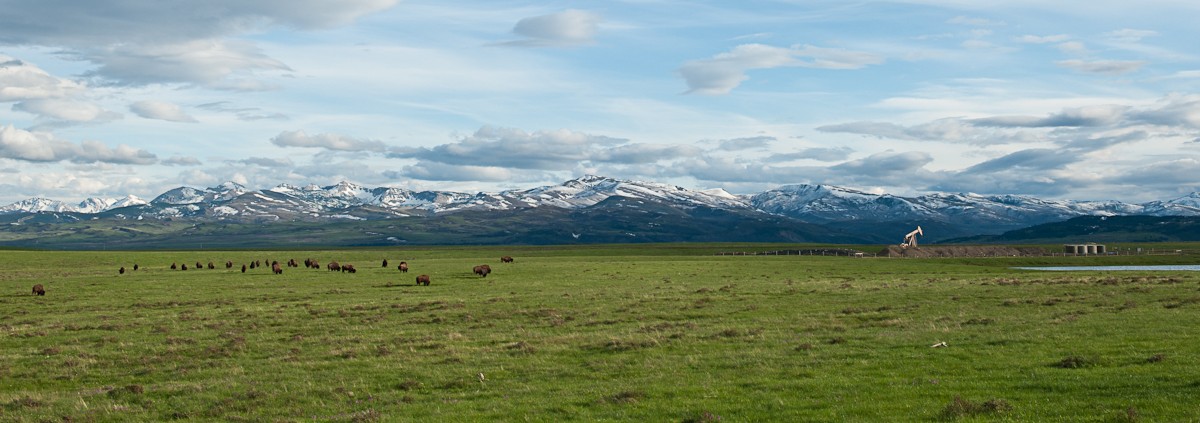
<point>183,267</point>
<point>403,267</point>
<point>276,268</point>
<point>252,265</point>
<point>423,280</point>
<point>39,290</point>
<point>292,263</point>
<point>506,259</point>
<point>316,265</point>
<point>384,262</point>
<point>199,266</point>
<point>333,266</point>
<point>121,270</point>
<point>211,266</point>
<point>228,264</point>
<point>173,266</point>
<point>135,266</point>
<point>348,268</point>
<point>243,268</point>
<point>483,270</point>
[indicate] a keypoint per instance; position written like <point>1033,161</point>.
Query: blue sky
<point>1070,99</point>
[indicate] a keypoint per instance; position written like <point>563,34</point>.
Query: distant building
<point>1084,249</point>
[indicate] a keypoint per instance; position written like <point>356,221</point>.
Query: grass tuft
<point>960,408</point>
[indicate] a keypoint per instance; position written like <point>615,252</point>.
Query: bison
<point>423,280</point>
<point>211,266</point>
<point>228,264</point>
<point>39,290</point>
<point>173,266</point>
<point>292,263</point>
<point>483,270</point>
<point>384,263</point>
<point>403,267</point>
<point>348,268</point>
<point>243,268</point>
<point>333,266</point>
<point>506,259</point>
<point>199,266</point>
<point>183,267</point>
<point>121,270</point>
<point>135,267</point>
<point>276,268</point>
<point>316,265</point>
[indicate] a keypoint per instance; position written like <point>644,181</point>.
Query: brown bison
<point>135,267</point>
<point>243,268</point>
<point>506,259</point>
<point>292,263</point>
<point>121,270</point>
<point>275,267</point>
<point>384,262</point>
<point>333,266</point>
<point>483,270</point>
<point>403,267</point>
<point>173,266</point>
<point>199,266</point>
<point>348,268</point>
<point>228,264</point>
<point>39,290</point>
<point>183,267</point>
<point>423,280</point>
<point>316,265</point>
<point>211,266</point>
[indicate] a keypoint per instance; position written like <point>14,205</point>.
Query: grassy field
<point>595,333</point>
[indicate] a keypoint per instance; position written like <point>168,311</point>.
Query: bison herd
<point>481,270</point>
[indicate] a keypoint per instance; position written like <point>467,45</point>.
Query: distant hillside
<point>1101,229</point>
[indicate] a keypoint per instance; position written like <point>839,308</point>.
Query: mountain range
<point>586,209</point>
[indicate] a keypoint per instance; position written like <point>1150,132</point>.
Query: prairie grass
<point>593,333</point>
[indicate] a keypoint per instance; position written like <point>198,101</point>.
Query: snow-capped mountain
<point>822,204</point>
<point>88,206</point>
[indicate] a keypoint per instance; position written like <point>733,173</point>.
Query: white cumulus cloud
<point>161,111</point>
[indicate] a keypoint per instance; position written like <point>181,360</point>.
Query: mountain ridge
<point>821,212</point>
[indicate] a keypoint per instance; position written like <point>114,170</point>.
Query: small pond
<point>1177,267</point>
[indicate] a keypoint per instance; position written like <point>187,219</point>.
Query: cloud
<point>216,64</point>
<point>434,171</point>
<point>1175,110</point>
<point>67,110</point>
<point>724,72</point>
<point>266,162</point>
<point>160,110</point>
<point>818,154</point>
<point>1091,116</point>
<point>29,146</point>
<point>643,153</point>
<point>567,28</point>
<point>20,81</point>
<point>136,42</point>
<point>946,129</point>
<point>1043,39</point>
<point>1073,47</point>
<point>1127,35</point>
<point>1034,159</point>
<point>1106,67</point>
<point>964,20</point>
<point>885,163</point>
<point>327,141</point>
<point>181,161</point>
<point>243,113</point>
<point>748,143</point>
<point>514,148</point>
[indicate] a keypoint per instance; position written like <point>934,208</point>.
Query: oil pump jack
<point>910,240</point>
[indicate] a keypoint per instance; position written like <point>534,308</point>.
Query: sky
<point>1085,100</point>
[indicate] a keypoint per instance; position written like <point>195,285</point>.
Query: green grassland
<point>662,332</point>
